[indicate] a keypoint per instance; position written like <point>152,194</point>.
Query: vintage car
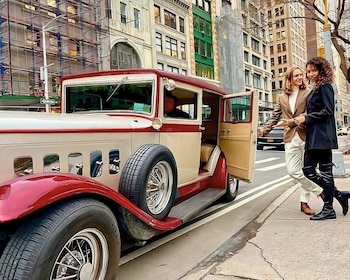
<point>133,153</point>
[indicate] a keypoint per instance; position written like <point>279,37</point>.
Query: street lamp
<point>327,34</point>
<point>43,69</point>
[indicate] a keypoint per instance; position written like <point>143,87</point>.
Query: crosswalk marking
<point>266,160</point>
<point>271,167</point>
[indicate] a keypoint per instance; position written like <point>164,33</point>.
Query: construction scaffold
<point>76,36</point>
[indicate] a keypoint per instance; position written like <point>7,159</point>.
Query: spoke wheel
<point>149,179</point>
<point>159,187</point>
<point>84,256</point>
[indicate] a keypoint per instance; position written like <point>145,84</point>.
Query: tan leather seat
<point>206,151</point>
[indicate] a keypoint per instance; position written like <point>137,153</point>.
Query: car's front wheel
<point>75,240</point>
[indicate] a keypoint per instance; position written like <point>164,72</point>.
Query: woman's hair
<point>325,71</point>
<point>288,86</point>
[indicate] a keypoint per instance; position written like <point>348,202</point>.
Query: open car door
<point>238,132</point>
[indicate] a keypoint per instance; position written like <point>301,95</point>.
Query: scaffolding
<point>76,37</point>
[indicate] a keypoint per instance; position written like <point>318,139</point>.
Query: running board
<point>192,206</point>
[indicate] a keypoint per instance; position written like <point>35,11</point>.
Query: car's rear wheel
<point>149,179</point>
<point>75,240</point>
<point>231,188</point>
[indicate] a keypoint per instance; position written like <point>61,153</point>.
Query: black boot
<point>326,213</point>
<point>343,199</point>
<point>326,171</point>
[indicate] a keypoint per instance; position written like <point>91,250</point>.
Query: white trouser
<point>294,154</point>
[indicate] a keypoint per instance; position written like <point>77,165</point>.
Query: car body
<point>113,166</point>
<point>343,131</point>
<point>273,139</point>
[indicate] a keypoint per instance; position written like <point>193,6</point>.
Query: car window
<point>180,103</point>
<point>238,109</point>
<point>135,97</point>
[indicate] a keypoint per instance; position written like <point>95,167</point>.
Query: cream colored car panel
<point>237,141</point>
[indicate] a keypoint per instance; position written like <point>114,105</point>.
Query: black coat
<point>320,121</point>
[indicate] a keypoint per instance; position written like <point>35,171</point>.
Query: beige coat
<point>282,110</point>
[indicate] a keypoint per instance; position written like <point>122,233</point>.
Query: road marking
<point>149,247</point>
<point>271,167</point>
<point>266,160</point>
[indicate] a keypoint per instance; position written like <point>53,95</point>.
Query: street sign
<point>48,101</point>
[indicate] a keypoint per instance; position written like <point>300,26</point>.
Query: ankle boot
<point>326,213</point>
<point>343,199</point>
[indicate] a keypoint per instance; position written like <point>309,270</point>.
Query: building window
<point>137,18</point>
<point>156,11</point>
<point>245,39</point>
<point>284,47</point>
<point>182,25</point>
<point>73,48</point>
<point>271,49</point>
<point>32,35</point>
<point>279,48</point>
<point>204,70</point>
<point>265,64</point>
<point>256,80</point>
<point>160,66</point>
<point>256,60</point>
<point>173,69</point>
<point>255,45</point>
<point>123,15</point>
<point>266,87</point>
<point>52,3</point>
<point>246,56</point>
<point>73,10</point>
<point>183,50</point>
<point>170,46</point>
<point>284,59</point>
<point>272,61</point>
<point>159,45</point>
<point>247,77</point>
<point>53,42</point>
<point>169,19</point>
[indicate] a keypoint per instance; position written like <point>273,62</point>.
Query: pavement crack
<point>265,259</point>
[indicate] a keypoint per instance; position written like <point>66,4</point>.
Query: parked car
<point>117,165</point>
<point>343,131</point>
<point>273,139</point>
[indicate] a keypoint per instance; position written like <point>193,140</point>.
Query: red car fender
<point>25,195</point>
<point>220,173</point>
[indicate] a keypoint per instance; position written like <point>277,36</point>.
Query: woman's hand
<point>283,122</point>
<point>299,120</point>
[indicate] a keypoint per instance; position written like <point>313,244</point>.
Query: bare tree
<point>340,25</point>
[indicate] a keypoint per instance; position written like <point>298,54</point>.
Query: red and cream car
<point>132,154</point>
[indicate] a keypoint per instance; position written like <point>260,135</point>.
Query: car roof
<point>195,81</point>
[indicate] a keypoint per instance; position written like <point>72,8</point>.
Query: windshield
<point>120,96</point>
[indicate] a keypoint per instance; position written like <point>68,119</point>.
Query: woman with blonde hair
<point>291,103</point>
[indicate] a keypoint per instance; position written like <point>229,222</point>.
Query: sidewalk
<point>289,246</point>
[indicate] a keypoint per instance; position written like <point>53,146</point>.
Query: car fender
<point>24,195</point>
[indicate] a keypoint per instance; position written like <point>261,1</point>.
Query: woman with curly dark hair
<point>321,135</point>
